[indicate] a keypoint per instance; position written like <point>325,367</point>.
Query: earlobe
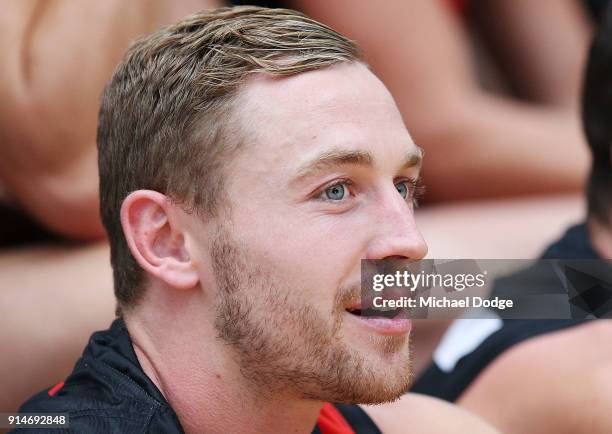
<point>156,240</point>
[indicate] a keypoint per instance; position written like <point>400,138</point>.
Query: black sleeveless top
<point>468,347</point>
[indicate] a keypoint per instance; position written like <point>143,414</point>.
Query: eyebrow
<point>342,157</point>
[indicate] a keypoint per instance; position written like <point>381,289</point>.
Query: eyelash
<point>416,192</point>
<point>321,194</point>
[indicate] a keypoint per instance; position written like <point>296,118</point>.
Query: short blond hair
<point>164,118</point>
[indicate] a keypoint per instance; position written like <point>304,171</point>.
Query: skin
<point>543,63</point>
<point>60,261</point>
<point>574,391</point>
<point>532,222</point>
<point>477,141</point>
<point>48,160</point>
<point>578,385</point>
<point>424,414</point>
<point>278,222</point>
<point>52,298</point>
<point>42,356</point>
<point>69,191</point>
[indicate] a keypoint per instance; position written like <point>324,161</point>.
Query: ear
<point>155,238</point>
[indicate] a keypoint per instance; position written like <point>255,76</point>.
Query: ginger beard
<point>283,343</point>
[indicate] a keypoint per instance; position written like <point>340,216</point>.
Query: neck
<point>200,378</point>
<point>600,237</point>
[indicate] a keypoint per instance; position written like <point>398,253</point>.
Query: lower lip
<point>385,326</point>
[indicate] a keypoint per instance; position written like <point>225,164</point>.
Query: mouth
<point>392,321</point>
<point>377,313</point>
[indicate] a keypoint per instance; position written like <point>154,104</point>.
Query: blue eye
<point>402,188</point>
<point>335,192</point>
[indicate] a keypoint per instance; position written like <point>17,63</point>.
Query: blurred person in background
<point>547,376</point>
<point>56,58</point>
<point>482,143</point>
<point>479,141</point>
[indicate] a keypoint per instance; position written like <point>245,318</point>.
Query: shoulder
<point>424,414</point>
<point>576,349</point>
<point>534,382</point>
<point>107,391</point>
<point>94,408</point>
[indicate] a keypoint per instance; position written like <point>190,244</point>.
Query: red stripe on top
<point>331,421</point>
<point>55,388</point>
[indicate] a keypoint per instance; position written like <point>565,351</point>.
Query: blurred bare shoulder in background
<point>56,59</point>
<point>489,89</point>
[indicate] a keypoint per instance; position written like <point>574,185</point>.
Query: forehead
<point>344,106</point>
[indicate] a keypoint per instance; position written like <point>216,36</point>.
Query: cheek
<point>306,258</point>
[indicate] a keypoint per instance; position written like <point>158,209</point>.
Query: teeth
<point>386,309</point>
<point>378,309</point>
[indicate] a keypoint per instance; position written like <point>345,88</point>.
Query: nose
<point>397,235</point>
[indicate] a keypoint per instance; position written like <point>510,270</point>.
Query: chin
<point>381,369</point>
<point>388,349</point>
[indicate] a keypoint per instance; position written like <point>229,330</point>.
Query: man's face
<point>324,179</point>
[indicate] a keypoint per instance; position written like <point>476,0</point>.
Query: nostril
<point>397,246</point>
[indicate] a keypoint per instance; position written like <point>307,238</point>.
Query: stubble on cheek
<point>283,344</point>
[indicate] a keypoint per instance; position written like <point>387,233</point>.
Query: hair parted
<point>165,115</point>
